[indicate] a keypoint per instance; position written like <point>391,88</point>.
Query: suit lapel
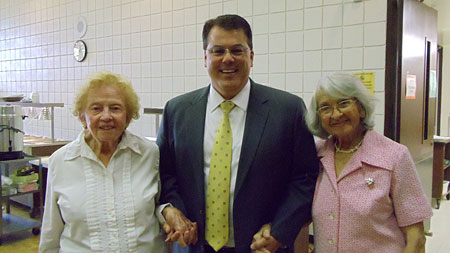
<point>257,113</point>
<point>197,114</point>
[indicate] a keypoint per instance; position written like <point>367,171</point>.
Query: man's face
<point>228,59</point>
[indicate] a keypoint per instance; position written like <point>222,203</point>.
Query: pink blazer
<point>377,192</point>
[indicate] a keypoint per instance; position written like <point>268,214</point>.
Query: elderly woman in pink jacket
<point>368,195</point>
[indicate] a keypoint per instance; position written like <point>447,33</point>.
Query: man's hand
<point>263,242</point>
<point>179,228</point>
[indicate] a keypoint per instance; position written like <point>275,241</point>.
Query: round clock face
<point>79,50</point>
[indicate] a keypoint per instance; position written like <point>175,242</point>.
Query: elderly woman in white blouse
<point>103,187</point>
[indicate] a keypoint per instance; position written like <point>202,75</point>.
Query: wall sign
<point>411,86</point>
<point>368,79</point>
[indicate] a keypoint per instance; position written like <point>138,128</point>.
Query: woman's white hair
<point>340,85</point>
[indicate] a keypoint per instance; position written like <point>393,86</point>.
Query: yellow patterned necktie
<point>218,189</point>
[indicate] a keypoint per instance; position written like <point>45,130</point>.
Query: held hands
<point>179,228</point>
<point>263,242</point>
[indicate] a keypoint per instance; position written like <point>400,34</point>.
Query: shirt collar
<point>240,100</point>
<point>375,150</point>
<point>79,147</point>
<point>372,150</point>
<point>129,141</point>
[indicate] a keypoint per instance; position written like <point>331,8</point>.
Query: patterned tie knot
<point>227,106</point>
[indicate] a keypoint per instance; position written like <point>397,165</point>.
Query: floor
<point>439,242</point>
<point>20,242</point>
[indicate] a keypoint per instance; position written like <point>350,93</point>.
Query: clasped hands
<point>180,229</point>
<point>263,242</point>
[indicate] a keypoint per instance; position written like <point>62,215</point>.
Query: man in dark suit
<point>269,179</point>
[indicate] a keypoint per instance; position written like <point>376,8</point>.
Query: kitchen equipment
<point>34,97</point>
<point>11,134</point>
<point>40,105</point>
<point>12,98</point>
<point>45,114</point>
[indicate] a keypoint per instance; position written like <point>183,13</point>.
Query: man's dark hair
<point>227,22</point>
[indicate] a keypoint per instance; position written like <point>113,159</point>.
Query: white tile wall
<point>374,57</point>
<point>277,43</point>
<point>332,60</point>
<point>277,63</point>
<point>157,45</point>
<point>277,81</point>
<point>277,22</point>
<point>375,11</point>
<point>277,5</point>
<point>312,39</point>
<point>310,81</point>
<point>261,44</point>
<point>332,15</point>
<point>352,59</point>
<point>332,38</point>
<point>354,13</point>
<point>312,3</point>
<point>312,60</point>
<point>294,4</point>
<point>294,20</point>
<point>353,36</point>
<point>294,41</point>
<point>375,34</point>
<point>313,18</point>
<point>260,7</point>
<point>294,62</point>
<point>294,82</point>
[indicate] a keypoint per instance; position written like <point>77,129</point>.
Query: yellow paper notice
<point>368,79</point>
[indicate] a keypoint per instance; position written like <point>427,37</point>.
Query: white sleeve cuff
<point>159,215</point>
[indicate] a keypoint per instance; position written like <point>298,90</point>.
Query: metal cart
<point>441,171</point>
<point>10,223</point>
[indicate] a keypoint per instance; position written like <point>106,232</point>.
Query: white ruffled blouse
<point>93,208</point>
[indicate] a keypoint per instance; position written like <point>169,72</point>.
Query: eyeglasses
<point>342,106</point>
<point>221,51</point>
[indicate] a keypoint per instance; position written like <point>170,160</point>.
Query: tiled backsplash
<point>157,45</point>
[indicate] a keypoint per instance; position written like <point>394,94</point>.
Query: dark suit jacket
<point>277,167</point>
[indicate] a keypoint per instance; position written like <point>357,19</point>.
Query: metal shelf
<point>19,194</point>
<point>41,105</point>
<point>33,104</point>
<point>27,158</point>
<point>10,223</point>
<point>157,111</point>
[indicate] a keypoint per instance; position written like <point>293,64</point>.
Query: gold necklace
<point>348,151</point>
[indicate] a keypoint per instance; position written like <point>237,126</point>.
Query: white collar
<point>79,145</point>
<point>240,100</point>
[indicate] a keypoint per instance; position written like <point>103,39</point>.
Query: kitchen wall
<point>443,8</point>
<point>157,45</point>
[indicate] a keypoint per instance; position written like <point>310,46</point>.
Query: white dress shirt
<point>93,208</point>
<point>237,121</point>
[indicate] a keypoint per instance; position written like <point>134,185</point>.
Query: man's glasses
<point>234,51</point>
<point>342,106</point>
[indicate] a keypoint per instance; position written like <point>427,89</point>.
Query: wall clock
<point>79,50</point>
